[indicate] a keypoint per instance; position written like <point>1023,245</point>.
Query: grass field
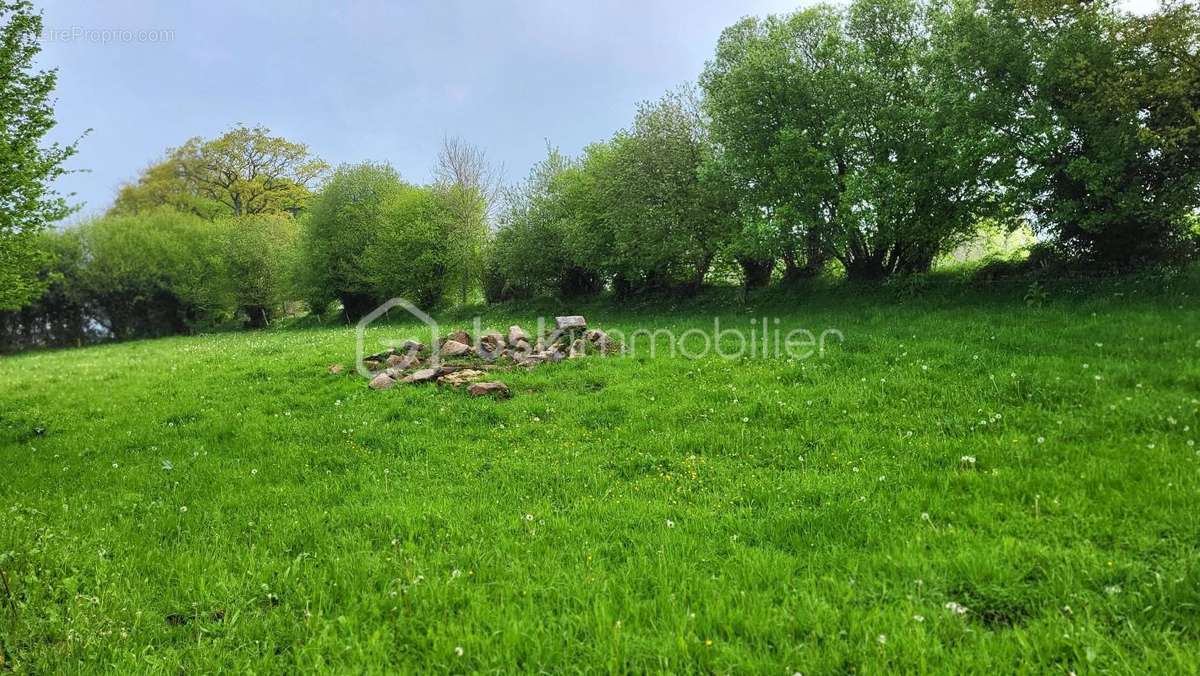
<point>222,502</point>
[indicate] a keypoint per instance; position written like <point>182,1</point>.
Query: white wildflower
<point>956,608</point>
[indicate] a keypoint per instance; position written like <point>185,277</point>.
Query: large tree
<point>852,134</point>
<point>1102,108</point>
<point>771,111</point>
<point>27,200</point>
<point>243,172</point>
<point>370,236</point>
<point>665,210</point>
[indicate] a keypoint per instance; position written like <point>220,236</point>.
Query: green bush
<point>260,255</point>
<point>59,317</point>
<point>370,236</point>
<point>551,240</point>
<point>154,274</point>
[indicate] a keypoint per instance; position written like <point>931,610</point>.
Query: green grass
<point>626,514</point>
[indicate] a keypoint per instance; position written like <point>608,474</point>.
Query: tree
<point>260,257</point>
<point>27,201</point>
<point>243,172</point>
<point>163,185</point>
<point>666,209</point>
<point>369,236</point>
<point>154,274</point>
<point>1100,108</point>
<point>771,104</point>
<point>853,135</point>
<point>538,248</point>
<point>468,187</point>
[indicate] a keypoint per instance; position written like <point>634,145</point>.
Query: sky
<point>364,79</point>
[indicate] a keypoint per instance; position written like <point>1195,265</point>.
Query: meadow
<point>975,479</point>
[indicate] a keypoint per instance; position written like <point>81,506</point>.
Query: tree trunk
<point>866,268</point>
<point>257,316</point>
<point>816,253</point>
<point>756,272</point>
<point>356,305</point>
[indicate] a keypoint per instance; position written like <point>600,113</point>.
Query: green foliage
<point>1100,107</point>
<point>542,245</point>
<point>27,202</point>
<point>666,214</point>
<point>851,135</point>
<point>260,256</point>
<point>649,210</point>
<point>466,187</point>
<point>163,185</point>
<point>59,315</point>
<point>370,236</point>
<point>245,171</point>
<point>1036,295</point>
<point>154,274</point>
<point>770,110</point>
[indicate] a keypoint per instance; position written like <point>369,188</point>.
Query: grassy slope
<point>819,508</point>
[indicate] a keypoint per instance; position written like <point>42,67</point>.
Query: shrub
<point>59,317</point>
<point>259,254</point>
<point>154,274</point>
<point>370,236</point>
<point>548,242</point>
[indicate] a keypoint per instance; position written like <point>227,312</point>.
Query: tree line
<point>876,137</point>
<point>866,140</point>
<point>227,230</point>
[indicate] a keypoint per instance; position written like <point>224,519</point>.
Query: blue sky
<point>371,80</point>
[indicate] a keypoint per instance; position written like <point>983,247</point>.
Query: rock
<point>517,334</point>
<point>371,364</point>
<point>522,347</point>
<point>596,335</point>
<point>335,369</point>
<point>459,378</point>
<point>578,349</point>
<point>554,356</point>
<point>459,336</point>
<point>606,345</point>
<point>493,388</point>
<point>380,356</point>
<point>490,346</point>
<point>570,323</point>
<point>531,359</point>
<point>381,382</point>
<point>455,348</point>
<point>403,362</point>
<point>422,376</point>
<point>412,346</point>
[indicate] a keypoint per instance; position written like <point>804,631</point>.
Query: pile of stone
<point>463,362</point>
